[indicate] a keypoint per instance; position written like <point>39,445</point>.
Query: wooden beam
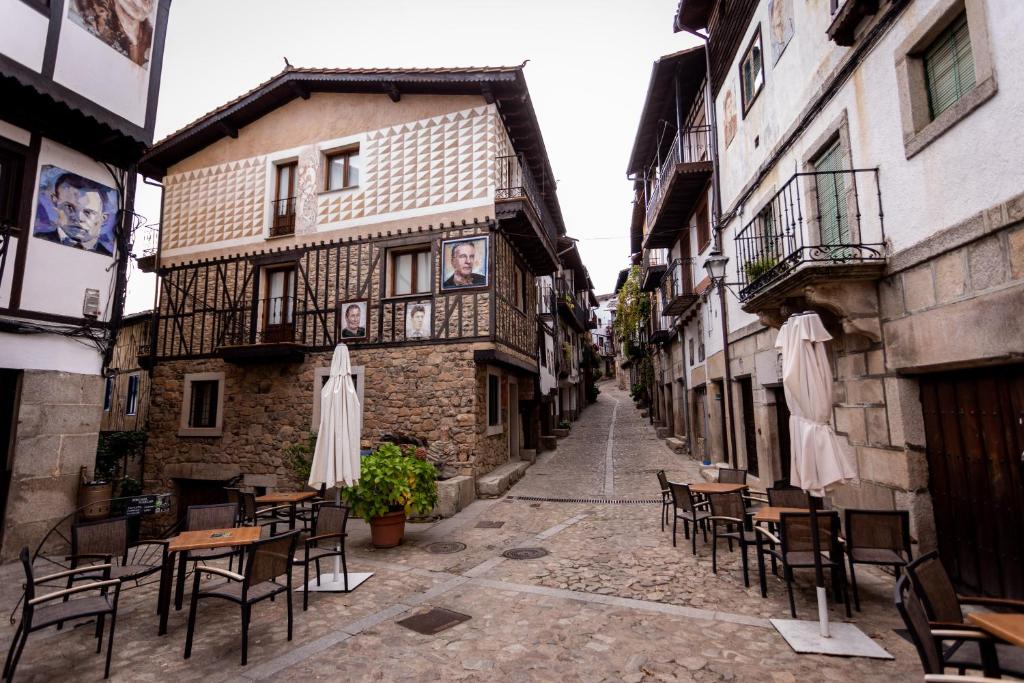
<point>393,92</point>
<point>488,94</point>
<point>299,90</point>
<point>227,128</point>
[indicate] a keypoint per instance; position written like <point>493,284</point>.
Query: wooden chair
<point>328,540</point>
<point>728,512</point>
<point>965,648</point>
<point>880,537</point>
<point>796,551</point>
<point>37,613</point>
<point>266,561</point>
<point>686,507</point>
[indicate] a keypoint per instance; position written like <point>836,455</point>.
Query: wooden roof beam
<point>393,92</point>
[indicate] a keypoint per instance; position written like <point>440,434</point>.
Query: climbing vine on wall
<point>632,311</point>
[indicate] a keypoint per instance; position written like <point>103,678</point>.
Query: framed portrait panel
<point>419,320</point>
<point>75,211</point>
<point>464,263</point>
<point>352,320</point>
<point>124,25</point>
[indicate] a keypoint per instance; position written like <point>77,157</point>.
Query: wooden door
<point>782,427</point>
<point>749,427</point>
<point>974,434</point>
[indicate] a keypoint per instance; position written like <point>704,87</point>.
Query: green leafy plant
<point>392,479</point>
<point>759,266</point>
<point>299,457</point>
<point>592,392</point>
<point>633,309</point>
<point>564,424</point>
<point>114,451</point>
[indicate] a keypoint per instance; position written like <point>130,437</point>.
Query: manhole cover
<point>525,553</point>
<point>445,547</point>
<point>434,620</point>
<point>489,525</point>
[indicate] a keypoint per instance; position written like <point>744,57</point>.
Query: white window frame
<point>499,428</point>
<point>318,375</point>
<point>186,401</point>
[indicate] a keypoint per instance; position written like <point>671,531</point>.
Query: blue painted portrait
<point>75,211</point>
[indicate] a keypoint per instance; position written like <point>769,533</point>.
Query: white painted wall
<point>23,33</point>
<point>56,276</point>
<point>548,379</point>
<point>49,352</point>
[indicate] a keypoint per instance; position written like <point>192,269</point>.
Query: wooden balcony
<point>654,262</point>
<point>677,287</point>
<point>681,179</point>
<point>275,340</point>
<point>520,205</point>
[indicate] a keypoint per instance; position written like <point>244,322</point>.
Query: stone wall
<point>58,426</point>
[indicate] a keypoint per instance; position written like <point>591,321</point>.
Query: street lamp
<point>715,265</point>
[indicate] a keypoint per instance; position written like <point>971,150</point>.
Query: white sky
<point>590,62</point>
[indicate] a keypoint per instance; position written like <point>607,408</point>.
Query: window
<point>321,377</point>
<point>108,393</point>
<point>830,192</point>
<point>703,226</point>
<point>700,341</point>
<point>493,402</point>
<point>752,71</point>
<point>12,165</point>
<point>131,403</point>
<point>519,288</point>
<point>279,306</point>
<point>202,405</point>
<point>692,357</point>
<point>410,272</point>
<point>284,200</point>
<point>342,169</point>
<point>949,67</point>
<point>944,70</point>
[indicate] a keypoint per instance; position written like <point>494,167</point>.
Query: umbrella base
<point>847,640</point>
<point>328,584</point>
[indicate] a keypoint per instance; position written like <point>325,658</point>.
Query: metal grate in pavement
<point>525,553</point>
<point>433,621</point>
<point>488,524</point>
<point>600,501</point>
<point>445,547</point>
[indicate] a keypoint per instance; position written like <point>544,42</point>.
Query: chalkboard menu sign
<point>147,505</point>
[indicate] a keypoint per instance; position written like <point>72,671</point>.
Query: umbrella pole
<point>337,545</point>
<point>819,573</point>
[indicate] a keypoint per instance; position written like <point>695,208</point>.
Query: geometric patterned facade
<point>422,164</point>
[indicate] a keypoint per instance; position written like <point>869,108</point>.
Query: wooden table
<point>717,487</point>
<point>197,540</point>
<point>289,498</point>
<point>1006,627</point>
<point>771,515</point>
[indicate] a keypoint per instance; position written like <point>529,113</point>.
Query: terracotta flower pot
<point>387,531</point>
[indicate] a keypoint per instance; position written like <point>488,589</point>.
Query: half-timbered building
<point>405,213</point>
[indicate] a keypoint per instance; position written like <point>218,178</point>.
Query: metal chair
<point>252,514</point>
<point>729,511</point>
<point>729,475</point>
<point>968,648</point>
<point>788,498</point>
<point>265,562</point>
<point>796,551</point>
<point>201,518</point>
<point>880,537</point>
<point>305,512</point>
<point>942,604</point>
<point>686,507</point>
<point>666,497</point>
<point>37,614</point>
<point>106,541</point>
<point>328,526</point>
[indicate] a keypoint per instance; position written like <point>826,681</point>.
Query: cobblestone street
<point>611,601</point>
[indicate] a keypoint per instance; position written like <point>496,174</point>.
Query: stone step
<point>677,445</point>
<point>662,432</point>
<point>453,495</point>
<point>549,442</point>
<point>499,480</point>
<point>561,433</point>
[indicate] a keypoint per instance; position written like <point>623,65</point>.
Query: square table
<point>772,515</point>
<point>1006,627</point>
<point>289,498</point>
<point>197,540</point>
<point>717,487</point>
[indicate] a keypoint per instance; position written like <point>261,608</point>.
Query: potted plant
<point>392,483</point>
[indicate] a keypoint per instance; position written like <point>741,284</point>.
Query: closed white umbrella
<point>336,458</point>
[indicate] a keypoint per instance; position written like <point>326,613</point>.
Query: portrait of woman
<point>417,321</point>
<point>353,320</point>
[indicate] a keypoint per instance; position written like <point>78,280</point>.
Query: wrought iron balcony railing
<point>545,299</point>
<point>269,320</point>
<point>569,304</point>
<point>690,146</point>
<point>654,262</point>
<point>515,181</point>
<point>283,222</point>
<point>832,220</point>
<point>677,288</point>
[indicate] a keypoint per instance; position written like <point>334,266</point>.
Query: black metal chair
<point>788,497</point>
<point>796,551</point>
<point>266,561</point>
<point>942,604</point>
<point>730,475</point>
<point>880,537</point>
<point>106,541</point>
<point>201,518</point>
<point>728,512</point>
<point>964,648</point>
<point>686,507</point>
<point>251,514</point>
<point>305,512</point>
<point>37,613</point>
<point>666,497</point>
<point>329,526</point>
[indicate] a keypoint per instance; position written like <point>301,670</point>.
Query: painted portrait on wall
<point>418,320</point>
<point>353,321</point>
<point>780,13</point>
<point>464,263</point>
<point>729,105</point>
<point>125,25</point>
<point>75,211</point>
